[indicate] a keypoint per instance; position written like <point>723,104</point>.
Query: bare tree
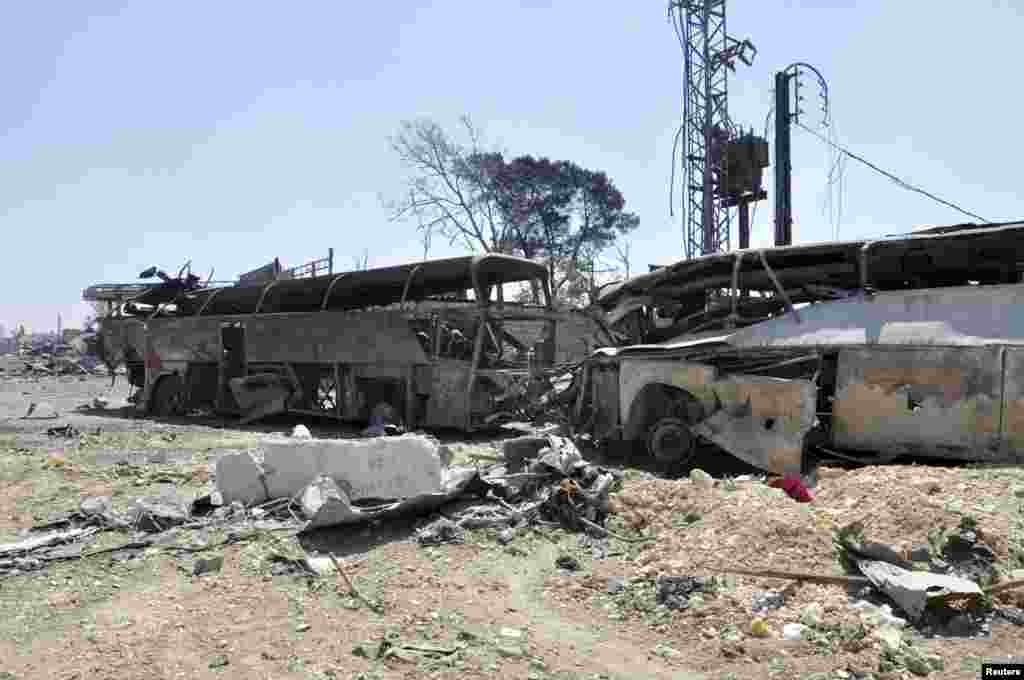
<point>450,189</point>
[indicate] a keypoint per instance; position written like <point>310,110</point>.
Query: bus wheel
<point>169,397</point>
<point>670,441</point>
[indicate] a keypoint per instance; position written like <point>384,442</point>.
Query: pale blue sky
<point>229,133</point>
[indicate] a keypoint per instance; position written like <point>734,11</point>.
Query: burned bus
<point>861,350</point>
<point>435,342</point>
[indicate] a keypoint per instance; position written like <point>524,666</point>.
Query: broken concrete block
<point>301,432</point>
<point>239,478</point>
<point>383,468</point>
<point>158,513</point>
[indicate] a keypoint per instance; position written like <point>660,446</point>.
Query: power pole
<point>709,53</point>
<point>783,164</point>
<point>785,115</point>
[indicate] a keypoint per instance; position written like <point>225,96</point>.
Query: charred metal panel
<point>124,340</point>
<point>327,337</point>
<point>447,405</point>
<point>962,316</point>
<point>635,374</point>
<point>941,402</point>
<point>604,400</point>
<point>762,420</point>
<point>1013,405</point>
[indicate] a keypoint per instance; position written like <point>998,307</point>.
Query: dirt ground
<point>479,609</point>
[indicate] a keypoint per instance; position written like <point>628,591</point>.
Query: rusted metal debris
<point>869,349</point>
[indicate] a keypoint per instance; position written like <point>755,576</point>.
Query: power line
<point>894,178</point>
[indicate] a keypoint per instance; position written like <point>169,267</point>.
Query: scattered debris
<point>207,565</point>
<point>99,506</point>
<point>66,431</point>
<point>154,514</point>
<point>567,562</point>
<point>1014,615</point>
<point>674,591</point>
<point>914,590</point>
<point>441,531</point>
<point>769,600</point>
<point>40,411</point>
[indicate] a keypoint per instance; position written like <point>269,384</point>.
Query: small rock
<point>768,600</point>
<point>511,633</point>
<point>301,432</point>
<point>506,536</point>
<point>95,505</point>
<point>568,563</point>
<point>615,584</point>
<point>218,661</point>
<point>207,565</point>
<point>793,631</point>
<point>302,627</point>
<point>513,651</point>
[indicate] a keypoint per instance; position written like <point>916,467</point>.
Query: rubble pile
<point>302,483</point>
<point>47,361</point>
<point>928,562</point>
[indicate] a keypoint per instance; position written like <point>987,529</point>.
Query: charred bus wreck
<point>865,349</point>
<point>433,342</point>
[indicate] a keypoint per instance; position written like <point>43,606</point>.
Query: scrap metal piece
<point>762,420</point>
<point>913,591</point>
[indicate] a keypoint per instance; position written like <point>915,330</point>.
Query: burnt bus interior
<point>704,311</point>
<point>745,287</point>
<point>453,310</point>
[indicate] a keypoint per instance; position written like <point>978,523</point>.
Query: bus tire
<point>169,397</point>
<point>671,442</point>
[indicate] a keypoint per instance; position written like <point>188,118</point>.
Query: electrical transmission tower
<point>708,56</point>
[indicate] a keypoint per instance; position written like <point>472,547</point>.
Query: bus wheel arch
<point>660,416</point>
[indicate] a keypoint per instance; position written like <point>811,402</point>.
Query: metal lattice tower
<point>708,56</point>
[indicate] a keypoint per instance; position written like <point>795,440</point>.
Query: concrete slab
<point>239,478</point>
<point>382,467</point>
